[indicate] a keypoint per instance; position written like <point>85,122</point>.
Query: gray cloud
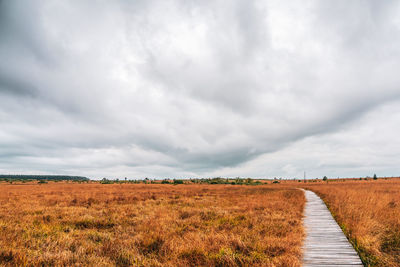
<point>183,88</point>
<point>9,85</point>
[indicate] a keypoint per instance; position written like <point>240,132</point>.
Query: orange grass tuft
<point>150,225</point>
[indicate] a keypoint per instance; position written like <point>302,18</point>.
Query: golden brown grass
<point>369,213</point>
<point>150,225</point>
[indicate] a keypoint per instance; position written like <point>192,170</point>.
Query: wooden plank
<point>325,243</point>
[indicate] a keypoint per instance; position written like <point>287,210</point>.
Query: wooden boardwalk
<point>325,243</point>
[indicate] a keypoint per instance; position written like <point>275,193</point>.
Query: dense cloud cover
<point>200,88</point>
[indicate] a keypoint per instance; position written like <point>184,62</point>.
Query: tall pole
<point>304,176</point>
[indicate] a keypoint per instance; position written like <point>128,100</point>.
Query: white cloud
<point>181,88</point>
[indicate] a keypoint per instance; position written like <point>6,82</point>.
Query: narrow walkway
<point>325,243</point>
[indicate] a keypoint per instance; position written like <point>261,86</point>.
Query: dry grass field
<point>369,213</point>
<point>66,224</point>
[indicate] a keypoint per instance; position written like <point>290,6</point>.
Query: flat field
<point>150,225</point>
<point>369,213</point>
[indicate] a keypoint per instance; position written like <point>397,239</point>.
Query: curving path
<point>325,243</point>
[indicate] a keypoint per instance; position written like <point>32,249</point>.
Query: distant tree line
<point>234,181</point>
<point>217,180</point>
<point>7,177</point>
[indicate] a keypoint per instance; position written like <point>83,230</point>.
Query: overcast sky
<point>184,88</point>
